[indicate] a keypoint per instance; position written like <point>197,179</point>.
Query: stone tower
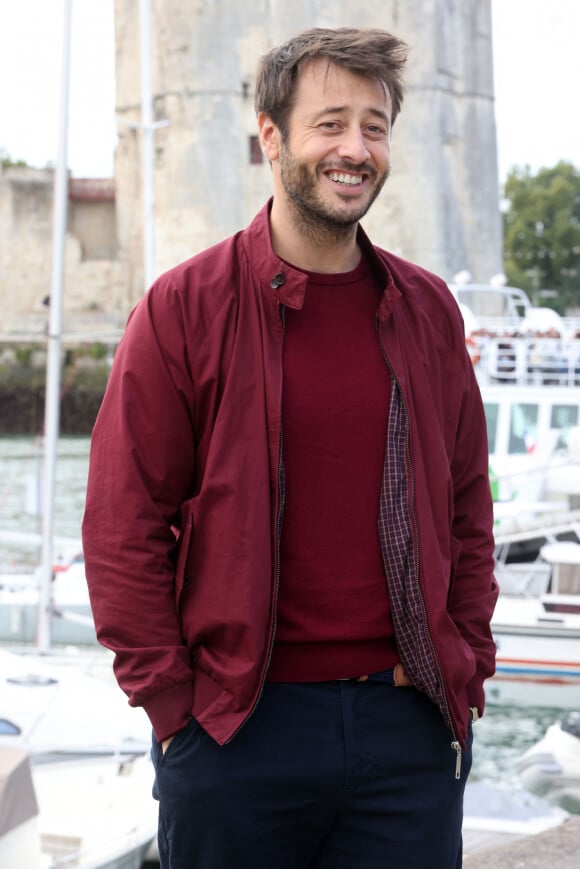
<point>440,206</point>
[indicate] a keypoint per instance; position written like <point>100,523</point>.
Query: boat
<point>90,815</point>
<point>71,620</point>
<point>551,768</point>
<point>67,705</point>
<point>72,749</point>
<point>537,633</point>
<point>527,363</point>
<point>538,654</point>
<point>533,428</point>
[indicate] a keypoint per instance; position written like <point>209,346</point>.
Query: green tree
<point>6,161</point>
<point>542,233</point>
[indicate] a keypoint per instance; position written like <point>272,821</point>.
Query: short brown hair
<point>368,52</point>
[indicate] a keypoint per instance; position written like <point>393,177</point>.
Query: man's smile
<point>346,178</point>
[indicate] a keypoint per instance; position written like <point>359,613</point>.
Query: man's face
<point>335,159</point>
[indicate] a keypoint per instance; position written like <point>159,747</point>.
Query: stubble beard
<point>313,217</point>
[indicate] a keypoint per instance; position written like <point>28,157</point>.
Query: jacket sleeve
<point>475,590</point>
<point>141,470</point>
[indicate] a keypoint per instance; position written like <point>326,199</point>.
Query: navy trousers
<point>332,775</point>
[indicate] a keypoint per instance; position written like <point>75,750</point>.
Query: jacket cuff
<point>169,711</point>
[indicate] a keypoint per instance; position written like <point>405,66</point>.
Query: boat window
<point>523,428</point>
<point>491,417</point>
<point>8,728</point>
<point>564,417</point>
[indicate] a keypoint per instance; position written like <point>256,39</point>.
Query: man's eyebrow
<point>336,110</point>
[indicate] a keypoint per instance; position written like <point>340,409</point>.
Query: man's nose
<point>353,146</point>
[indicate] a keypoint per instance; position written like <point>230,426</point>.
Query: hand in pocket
<point>400,677</point>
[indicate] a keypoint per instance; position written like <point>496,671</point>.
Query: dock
<point>558,847</point>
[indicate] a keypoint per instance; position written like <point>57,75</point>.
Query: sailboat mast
<point>147,143</point>
<point>54,342</point>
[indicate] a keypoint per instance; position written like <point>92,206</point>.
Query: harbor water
<point>499,738</point>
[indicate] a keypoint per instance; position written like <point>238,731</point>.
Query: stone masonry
<point>95,291</point>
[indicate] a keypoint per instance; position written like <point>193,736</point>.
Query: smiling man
<point>288,519</point>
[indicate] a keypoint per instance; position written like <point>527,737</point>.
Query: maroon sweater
<point>333,609</point>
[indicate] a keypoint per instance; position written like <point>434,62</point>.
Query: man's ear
<point>269,136</point>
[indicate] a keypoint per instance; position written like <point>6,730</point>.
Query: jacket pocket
<point>183,544</point>
<point>454,555</point>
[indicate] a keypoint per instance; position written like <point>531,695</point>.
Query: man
<point>288,519</point>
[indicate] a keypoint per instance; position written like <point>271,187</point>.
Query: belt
<point>381,676</point>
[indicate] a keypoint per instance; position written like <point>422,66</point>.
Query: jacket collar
<point>287,285</point>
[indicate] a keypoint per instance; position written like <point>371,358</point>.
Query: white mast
<point>54,340</point>
<point>147,144</point>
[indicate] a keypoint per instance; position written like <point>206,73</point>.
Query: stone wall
<point>95,290</point>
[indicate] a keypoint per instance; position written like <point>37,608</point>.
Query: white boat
<point>91,814</point>
<point>538,654</point>
<point>89,765</point>
<point>534,453</point>
<point>551,768</point>
<point>71,620</point>
<point>527,362</point>
<point>67,705</point>
<point>538,634</point>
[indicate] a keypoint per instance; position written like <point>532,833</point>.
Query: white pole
<point>52,397</point>
<point>147,144</point>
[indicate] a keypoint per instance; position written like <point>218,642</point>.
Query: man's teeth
<point>345,179</point>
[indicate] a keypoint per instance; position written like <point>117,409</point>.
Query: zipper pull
<point>457,749</point>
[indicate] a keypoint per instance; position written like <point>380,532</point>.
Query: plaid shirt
<point>401,557</point>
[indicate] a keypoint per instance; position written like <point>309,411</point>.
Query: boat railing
<point>525,359</point>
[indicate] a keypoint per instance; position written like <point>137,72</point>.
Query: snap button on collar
<point>278,280</point>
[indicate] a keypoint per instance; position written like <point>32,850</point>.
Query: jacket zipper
<point>455,744</point>
<point>280,513</point>
<point>276,560</point>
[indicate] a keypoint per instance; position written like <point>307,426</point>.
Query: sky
<point>536,71</point>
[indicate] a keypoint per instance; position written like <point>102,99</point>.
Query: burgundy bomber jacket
<point>182,516</point>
